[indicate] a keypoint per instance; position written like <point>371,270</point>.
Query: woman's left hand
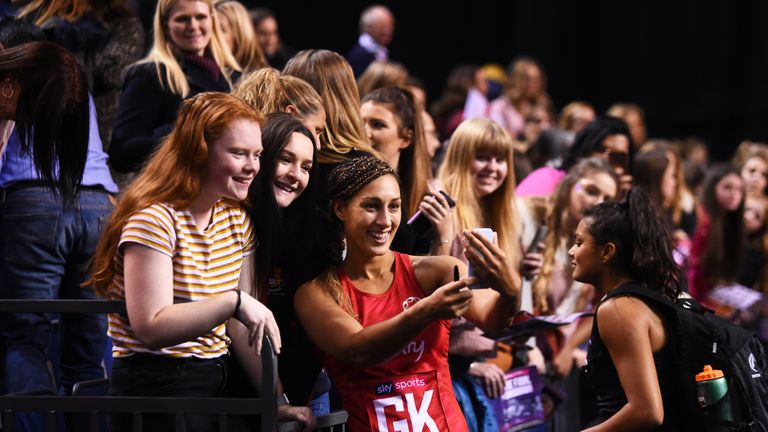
<point>490,264</point>
<point>438,211</point>
<point>532,264</point>
<point>300,414</point>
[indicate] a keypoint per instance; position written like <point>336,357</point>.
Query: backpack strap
<point>633,289</point>
<point>636,290</point>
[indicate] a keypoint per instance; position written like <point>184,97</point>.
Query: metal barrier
<point>265,407</point>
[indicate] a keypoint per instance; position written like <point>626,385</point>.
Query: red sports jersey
<point>411,391</point>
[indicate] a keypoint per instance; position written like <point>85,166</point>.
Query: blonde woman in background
<point>751,159</point>
<point>238,33</point>
<point>332,78</point>
<point>477,173</point>
<point>187,57</point>
<point>269,91</point>
<point>634,115</point>
<point>526,89</point>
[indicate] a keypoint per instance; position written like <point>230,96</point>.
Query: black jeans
<point>151,375</point>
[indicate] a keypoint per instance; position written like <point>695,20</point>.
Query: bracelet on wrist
<point>282,400</point>
<point>236,312</point>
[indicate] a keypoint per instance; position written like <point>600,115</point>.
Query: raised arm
<point>340,335</point>
<point>491,308</point>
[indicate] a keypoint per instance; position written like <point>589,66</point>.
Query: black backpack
<point>702,338</point>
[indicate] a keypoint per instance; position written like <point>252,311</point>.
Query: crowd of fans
<point>227,187</point>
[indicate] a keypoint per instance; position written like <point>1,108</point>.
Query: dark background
<point>697,68</point>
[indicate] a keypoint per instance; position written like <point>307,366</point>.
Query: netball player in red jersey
<point>382,318</point>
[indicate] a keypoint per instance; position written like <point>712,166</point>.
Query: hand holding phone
<point>487,234</point>
<point>531,265</point>
<point>419,221</point>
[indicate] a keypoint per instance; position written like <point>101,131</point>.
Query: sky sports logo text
<point>389,387</point>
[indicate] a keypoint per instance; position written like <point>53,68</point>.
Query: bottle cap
<point>709,374</point>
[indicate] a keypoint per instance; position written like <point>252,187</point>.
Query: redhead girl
<point>178,249</point>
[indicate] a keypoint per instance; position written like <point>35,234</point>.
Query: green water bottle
<point>712,393</point>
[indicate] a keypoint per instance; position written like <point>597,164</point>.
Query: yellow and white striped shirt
<point>205,263</point>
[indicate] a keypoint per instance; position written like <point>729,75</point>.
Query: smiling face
<point>488,172</point>
<point>190,26</point>
<point>586,256</point>
<point>292,169</point>
<point>371,216</point>
<point>233,161</point>
<point>590,191</point>
<point>729,192</point>
<point>755,175</point>
<point>383,132</point>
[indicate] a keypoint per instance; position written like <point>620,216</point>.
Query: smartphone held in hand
<point>419,222</point>
<point>487,234</point>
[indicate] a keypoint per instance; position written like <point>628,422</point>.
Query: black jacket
<point>147,111</point>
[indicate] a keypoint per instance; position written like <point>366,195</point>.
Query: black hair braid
<point>352,175</point>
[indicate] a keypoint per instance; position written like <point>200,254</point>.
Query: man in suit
<point>377,26</point>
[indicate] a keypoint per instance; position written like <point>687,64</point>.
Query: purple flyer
<point>519,407</point>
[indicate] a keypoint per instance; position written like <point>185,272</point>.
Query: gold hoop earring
<point>6,89</point>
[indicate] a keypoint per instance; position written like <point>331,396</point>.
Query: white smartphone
<point>486,233</point>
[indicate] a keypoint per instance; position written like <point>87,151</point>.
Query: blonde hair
<point>516,83</point>
<point>560,223</point>
<point>269,91</point>
<point>68,10</point>
<point>173,174</point>
<point>162,52</point>
<point>497,210</point>
<point>381,74</point>
<point>334,81</point>
<point>569,112</point>
<point>747,150</point>
<point>246,48</point>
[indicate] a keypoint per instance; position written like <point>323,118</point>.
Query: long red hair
<point>173,174</point>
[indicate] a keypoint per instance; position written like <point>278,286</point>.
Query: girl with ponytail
<point>624,249</point>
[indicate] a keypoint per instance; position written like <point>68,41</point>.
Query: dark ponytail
<point>643,241</point>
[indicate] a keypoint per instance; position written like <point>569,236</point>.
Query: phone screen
<point>487,233</point>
